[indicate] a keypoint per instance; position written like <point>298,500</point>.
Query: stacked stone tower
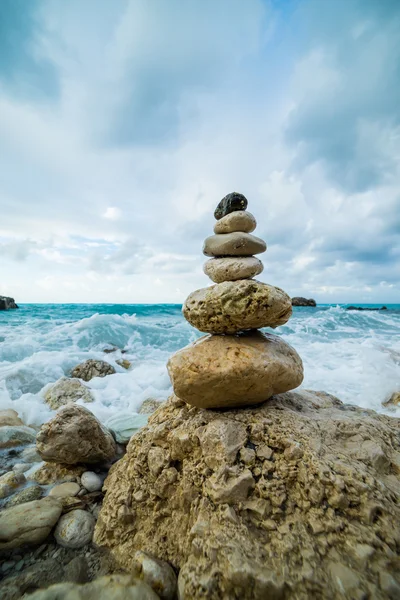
<point>235,365</point>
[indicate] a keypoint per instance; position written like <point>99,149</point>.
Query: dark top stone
<point>229,204</point>
<point>6,303</point>
<point>299,301</point>
<point>365,308</point>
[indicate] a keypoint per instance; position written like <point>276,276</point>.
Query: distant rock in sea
<point>6,303</point>
<point>365,308</point>
<point>299,301</point>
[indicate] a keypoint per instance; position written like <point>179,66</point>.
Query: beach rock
<point>73,436</point>
<point>91,481</point>
<point>236,221</point>
<point>230,203</point>
<point>393,401</point>
<point>30,455</point>
<point>7,303</point>
<point>299,301</point>
<point>16,435</point>
<point>9,482</point>
<point>75,529</point>
<point>65,490</point>
<point>34,492</point>
<point>92,368</point>
<point>9,417</point>
<point>52,472</point>
<point>158,574</point>
<point>229,371</point>
<point>21,467</point>
<point>28,523</point>
<point>125,425</point>
<point>232,268</point>
<point>149,406</point>
<point>110,587</point>
<point>125,364</point>
<point>365,308</point>
<point>65,391</point>
<point>235,306</point>
<point>233,244</point>
<point>320,520</point>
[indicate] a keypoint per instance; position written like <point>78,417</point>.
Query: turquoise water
<point>354,355</point>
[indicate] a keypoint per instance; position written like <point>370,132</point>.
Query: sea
<point>354,355</point>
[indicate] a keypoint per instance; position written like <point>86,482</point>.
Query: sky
<point>123,123</point>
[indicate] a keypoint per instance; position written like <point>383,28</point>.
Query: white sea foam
<point>353,355</point>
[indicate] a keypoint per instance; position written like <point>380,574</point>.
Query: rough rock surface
<point>6,303</point>
<point>149,406</point>
<point>236,221</point>
<point>392,402</point>
<point>230,203</point>
<point>111,587</point>
<point>51,473</point>
<point>28,523</point>
<point>65,391</point>
<point>295,499</point>
<point>74,435</point>
<point>235,306</point>
<point>75,529</point>
<point>233,244</point>
<point>13,435</point>
<point>230,268</point>
<point>227,371</point>
<point>9,417</point>
<point>92,368</point>
<point>299,301</point>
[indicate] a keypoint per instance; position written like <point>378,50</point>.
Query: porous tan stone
<point>9,417</point>
<point>240,220</point>
<point>230,268</point>
<point>233,244</point>
<point>65,391</point>
<point>225,371</point>
<point>52,472</point>
<point>234,306</point>
<point>92,368</point>
<point>322,522</point>
<point>74,436</point>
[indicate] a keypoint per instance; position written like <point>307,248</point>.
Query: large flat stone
<point>233,244</point>
<point>235,306</point>
<point>28,523</point>
<point>231,268</point>
<point>228,371</point>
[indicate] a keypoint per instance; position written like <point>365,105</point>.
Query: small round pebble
<point>64,490</point>
<point>91,481</point>
<point>75,529</point>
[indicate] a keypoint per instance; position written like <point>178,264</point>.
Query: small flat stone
<point>233,244</point>
<point>230,203</point>
<point>240,220</point>
<point>65,490</point>
<point>230,268</point>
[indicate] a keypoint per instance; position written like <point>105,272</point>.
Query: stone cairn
<point>235,365</point>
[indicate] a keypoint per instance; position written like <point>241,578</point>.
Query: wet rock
<point>91,481</point>
<point>65,490</point>
<point>28,523</point>
<point>233,244</point>
<point>235,306</point>
<point>111,587</point>
<point>125,364</point>
<point>21,467</point>
<point>299,301</point>
<point>7,303</point>
<point>125,425</point>
<point>34,492</point>
<point>65,391</point>
<point>230,268</point>
<point>30,455</point>
<point>13,435</point>
<point>9,417</point>
<point>92,368</point>
<point>228,371</point>
<point>229,520</point>
<point>230,203</point>
<point>74,436</point>
<point>75,529</point>
<point>392,402</point>
<point>158,574</point>
<point>236,221</point>
<point>9,482</point>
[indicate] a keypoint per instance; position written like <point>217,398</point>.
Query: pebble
<point>240,220</point>
<point>21,468</point>
<point>75,529</point>
<point>233,244</point>
<point>230,203</point>
<point>231,268</point>
<point>65,490</point>
<point>91,481</point>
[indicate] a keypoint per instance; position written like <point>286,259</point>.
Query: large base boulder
<point>297,498</point>
<point>220,371</point>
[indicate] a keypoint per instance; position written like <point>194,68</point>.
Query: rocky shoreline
<point>7,303</point>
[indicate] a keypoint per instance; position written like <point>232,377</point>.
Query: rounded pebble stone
<point>91,481</point>
<point>230,203</point>
<point>75,529</point>
<point>232,268</point>
<point>64,490</point>
<point>240,220</point>
<point>237,243</point>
